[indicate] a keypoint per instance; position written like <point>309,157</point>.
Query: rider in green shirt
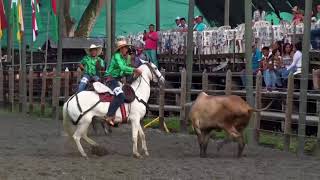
<point>91,64</point>
<point>118,68</point>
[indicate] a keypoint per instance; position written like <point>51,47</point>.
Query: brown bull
<point>228,113</point>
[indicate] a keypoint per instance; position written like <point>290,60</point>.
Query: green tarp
<point>132,16</point>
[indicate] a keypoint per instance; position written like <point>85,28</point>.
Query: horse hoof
<point>147,154</point>
<point>138,156</point>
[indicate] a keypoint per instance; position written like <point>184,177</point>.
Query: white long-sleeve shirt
<point>297,60</point>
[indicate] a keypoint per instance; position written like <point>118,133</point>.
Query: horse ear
<point>143,62</point>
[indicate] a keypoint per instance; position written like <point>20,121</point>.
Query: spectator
<point>199,26</point>
<point>297,15</point>
<point>151,42</point>
<point>259,14</point>
<point>256,57</point>
<point>295,66</point>
<point>287,55</point>
<point>267,67</point>
<point>315,33</point>
<point>318,12</point>
<point>177,22</point>
<point>139,56</point>
<point>183,26</point>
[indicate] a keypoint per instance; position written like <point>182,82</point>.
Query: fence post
<point>205,81</point>
<point>288,119</point>
<point>228,82</point>
<point>54,93</point>
<point>257,116</point>
<point>30,90</point>
<point>78,75</point>
<point>183,118</point>
<point>66,84</point>
<point>20,89</point>
<point>43,92</point>
<point>161,103</point>
<point>1,88</point>
<point>317,151</point>
<point>11,88</point>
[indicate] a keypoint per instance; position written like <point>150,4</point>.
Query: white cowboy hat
<point>93,46</point>
<point>295,9</point>
<point>121,44</point>
<point>177,18</point>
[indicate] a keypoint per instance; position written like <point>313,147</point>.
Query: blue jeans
<point>270,78</point>
<point>315,38</point>
<point>152,55</point>
<point>285,72</point>
<point>85,80</point>
<point>118,99</point>
<point>278,73</point>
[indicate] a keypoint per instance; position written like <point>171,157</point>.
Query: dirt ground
<point>33,148</point>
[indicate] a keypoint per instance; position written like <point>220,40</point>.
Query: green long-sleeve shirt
<point>89,64</point>
<point>118,67</point>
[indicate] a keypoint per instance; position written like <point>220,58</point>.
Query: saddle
<point>107,95</point>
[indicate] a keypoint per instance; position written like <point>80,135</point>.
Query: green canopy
<point>131,17</point>
<point>284,15</point>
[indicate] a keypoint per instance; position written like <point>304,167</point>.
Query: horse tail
<point>67,126</point>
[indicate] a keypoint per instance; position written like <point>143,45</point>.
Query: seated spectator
<point>199,26</point>
<point>315,33</point>
<point>267,67</point>
<point>183,27</point>
<point>177,20</point>
<point>139,56</point>
<point>297,15</point>
<point>295,66</point>
<point>259,14</point>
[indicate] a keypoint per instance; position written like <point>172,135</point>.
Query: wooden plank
<point>289,109</point>
<point>257,118</point>
<point>317,151</point>
<point>43,91</point>
<point>11,88</point>
<point>66,84</point>
<point>21,89</point>
<point>30,77</point>
<point>205,84</point>
<point>228,90</point>
<point>161,103</point>
<point>1,87</point>
<point>183,119</point>
<point>54,98</point>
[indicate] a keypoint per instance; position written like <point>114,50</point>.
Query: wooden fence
<point>41,92</point>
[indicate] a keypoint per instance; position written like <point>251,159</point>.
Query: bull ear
<point>143,62</point>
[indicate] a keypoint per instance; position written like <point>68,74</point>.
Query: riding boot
<point>114,105</point>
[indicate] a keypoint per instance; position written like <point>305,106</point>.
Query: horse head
<point>152,72</point>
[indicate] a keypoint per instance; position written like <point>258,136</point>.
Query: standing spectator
<point>151,42</point>
<point>297,15</point>
<point>139,56</point>
<point>199,26</point>
<point>259,14</point>
<point>267,67</point>
<point>256,57</point>
<point>177,22</point>
<point>183,26</point>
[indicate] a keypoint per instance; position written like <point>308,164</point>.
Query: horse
<point>89,101</point>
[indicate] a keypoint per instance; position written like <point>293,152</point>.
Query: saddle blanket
<point>106,97</point>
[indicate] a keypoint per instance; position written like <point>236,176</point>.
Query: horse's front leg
<point>135,130</point>
<point>143,141</point>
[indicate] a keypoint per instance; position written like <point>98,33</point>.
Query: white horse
<point>135,110</point>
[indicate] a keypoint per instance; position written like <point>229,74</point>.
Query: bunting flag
<point>36,19</point>
<point>17,17</point>
<point>3,19</point>
<point>54,20</point>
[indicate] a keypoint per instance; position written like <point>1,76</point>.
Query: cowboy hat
<point>121,44</point>
<point>93,46</point>
<point>295,9</point>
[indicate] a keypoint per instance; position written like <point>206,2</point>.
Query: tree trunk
<point>69,26</point>
<point>89,18</point>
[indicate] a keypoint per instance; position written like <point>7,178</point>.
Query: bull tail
<point>263,109</point>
